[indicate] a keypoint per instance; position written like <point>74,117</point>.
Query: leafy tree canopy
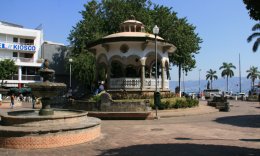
<point>256,36</point>
<point>7,69</point>
<point>83,68</point>
<point>253,7</point>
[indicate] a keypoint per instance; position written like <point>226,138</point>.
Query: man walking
<point>12,101</point>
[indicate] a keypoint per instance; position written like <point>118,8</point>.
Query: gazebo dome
<point>132,28</point>
<point>132,34</point>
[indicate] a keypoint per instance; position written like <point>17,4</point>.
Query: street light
<point>199,81</point>
<point>156,93</point>
<point>70,61</point>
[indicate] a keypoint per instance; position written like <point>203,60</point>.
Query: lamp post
<point>199,81</point>
<point>70,61</point>
<point>156,93</point>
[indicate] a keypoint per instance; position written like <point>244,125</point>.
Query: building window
<point>30,70</point>
<point>26,41</point>
<point>15,54</point>
<point>15,39</point>
<point>26,55</point>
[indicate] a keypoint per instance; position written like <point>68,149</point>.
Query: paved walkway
<point>215,133</point>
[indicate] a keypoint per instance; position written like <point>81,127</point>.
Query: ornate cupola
<point>132,25</point>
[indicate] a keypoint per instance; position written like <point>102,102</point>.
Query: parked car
<point>239,96</point>
<point>210,93</point>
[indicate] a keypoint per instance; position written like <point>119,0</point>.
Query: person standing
<point>0,99</point>
<point>33,101</point>
<point>12,101</point>
<point>259,98</point>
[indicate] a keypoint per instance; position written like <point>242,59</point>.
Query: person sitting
<point>101,87</point>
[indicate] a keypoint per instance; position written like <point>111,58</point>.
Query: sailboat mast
<point>239,74</point>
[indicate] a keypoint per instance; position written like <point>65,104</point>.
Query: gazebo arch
<point>101,68</point>
<point>102,58</point>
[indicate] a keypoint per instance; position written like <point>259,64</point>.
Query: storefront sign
<point>17,47</point>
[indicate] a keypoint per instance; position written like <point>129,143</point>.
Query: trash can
<point>157,99</point>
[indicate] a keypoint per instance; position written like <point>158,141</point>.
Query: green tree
<point>7,69</point>
<point>82,68</point>
<point>253,74</point>
<point>227,70</point>
<point>253,6</point>
<point>211,75</point>
<point>255,35</point>
<point>88,29</point>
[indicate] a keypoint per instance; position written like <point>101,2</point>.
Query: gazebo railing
<point>125,83</point>
<point>135,83</point>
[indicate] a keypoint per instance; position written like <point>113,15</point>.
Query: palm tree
<point>255,35</point>
<point>211,75</point>
<point>227,70</point>
<point>253,74</point>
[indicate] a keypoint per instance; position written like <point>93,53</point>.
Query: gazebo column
<point>163,74</point>
<point>108,76</point>
<point>142,72</point>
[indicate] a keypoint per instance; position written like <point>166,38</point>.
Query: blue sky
<point>224,26</point>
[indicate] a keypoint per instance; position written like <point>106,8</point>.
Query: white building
<point>24,47</point>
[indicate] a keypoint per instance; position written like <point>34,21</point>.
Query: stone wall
<point>109,107</point>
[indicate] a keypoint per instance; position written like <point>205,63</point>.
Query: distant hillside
<point>193,86</point>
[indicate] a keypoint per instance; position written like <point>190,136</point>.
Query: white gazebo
<point>127,60</point>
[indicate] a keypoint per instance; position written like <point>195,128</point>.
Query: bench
<point>223,106</point>
<point>220,103</point>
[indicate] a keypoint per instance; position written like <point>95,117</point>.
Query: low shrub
<point>164,105</point>
<point>180,103</point>
<point>168,103</point>
<point>252,98</point>
<point>192,102</point>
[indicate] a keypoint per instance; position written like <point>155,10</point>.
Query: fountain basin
<point>31,118</point>
<point>25,129</point>
<point>46,89</point>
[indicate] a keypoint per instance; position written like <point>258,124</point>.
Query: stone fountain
<point>46,89</point>
<point>47,127</point>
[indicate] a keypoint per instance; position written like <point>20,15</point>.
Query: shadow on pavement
<point>181,150</point>
<point>241,121</point>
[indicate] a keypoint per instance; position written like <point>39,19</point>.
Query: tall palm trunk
<point>211,83</point>
<point>227,83</point>
<point>180,80</point>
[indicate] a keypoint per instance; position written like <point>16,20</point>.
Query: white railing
<point>31,77</point>
<point>150,83</point>
<point>26,59</point>
<point>18,59</point>
<point>166,84</point>
<point>7,57</point>
<point>125,83</point>
<point>135,83</point>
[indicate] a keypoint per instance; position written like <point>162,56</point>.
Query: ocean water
<point>193,86</point>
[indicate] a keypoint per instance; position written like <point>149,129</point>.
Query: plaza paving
<point>197,131</point>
